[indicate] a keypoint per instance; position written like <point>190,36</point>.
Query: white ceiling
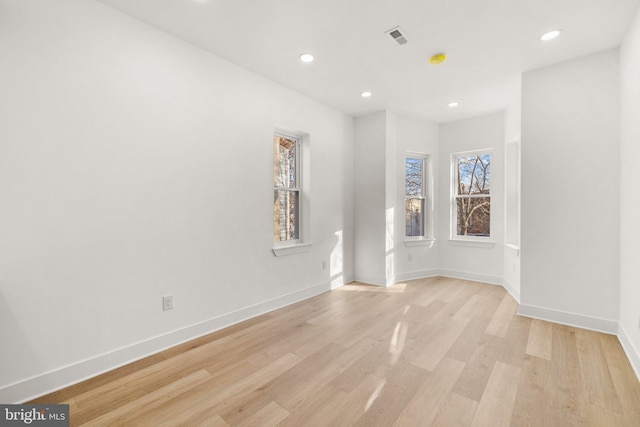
<point>489,43</point>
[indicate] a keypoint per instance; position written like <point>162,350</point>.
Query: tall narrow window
<point>472,194</point>
<point>286,188</point>
<point>415,200</point>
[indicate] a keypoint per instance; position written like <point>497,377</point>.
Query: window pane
<point>285,215</point>
<point>414,177</point>
<point>284,162</point>
<point>474,174</point>
<point>474,216</point>
<point>414,217</point>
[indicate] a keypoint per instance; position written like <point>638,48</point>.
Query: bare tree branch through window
<point>473,195</point>
<point>286,191</point>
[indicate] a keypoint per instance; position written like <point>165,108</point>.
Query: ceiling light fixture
<point>453,104</point>
<point>366,94</point>
<point>550,35</point>
<point>438,58</point>
<point>306,57</point>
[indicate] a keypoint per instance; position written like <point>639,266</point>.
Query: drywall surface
<point>383,140</point>
<point>629,200</point>
<point>134,165</point>
<point>370,198</point>
<point>570,192</point>
<point>513,131</point>
<point>461,259</point>
<point>416,137</point>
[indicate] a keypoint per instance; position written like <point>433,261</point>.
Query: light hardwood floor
<point>432,352</point>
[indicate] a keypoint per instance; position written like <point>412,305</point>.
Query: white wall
<point>570,192</point>
<point>370,198</point>
<point>119,185</point>
<point>134,165</point>
<point>468,260</point>
<point>391,210</point>
<point>513,130</point>
<point>629,202</point>
<point>382,142</point>
<point>415,136</point>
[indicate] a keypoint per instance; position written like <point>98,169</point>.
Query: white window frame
<point>303,242</point>
<point>427,190</point>
<point>454,237</point>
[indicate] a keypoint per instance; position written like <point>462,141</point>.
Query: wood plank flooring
<point>431,352</point>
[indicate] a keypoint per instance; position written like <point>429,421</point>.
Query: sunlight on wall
<point>335,263</point>
<point>389,247</point>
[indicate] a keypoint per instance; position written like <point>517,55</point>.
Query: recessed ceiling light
<point>306,57</point>
<point>453,104</point>
<point>550,35</point>
<point>366,94</point>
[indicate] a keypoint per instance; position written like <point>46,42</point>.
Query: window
<point>415,192</point>
<point>471,199</point>
<point>286,188</point>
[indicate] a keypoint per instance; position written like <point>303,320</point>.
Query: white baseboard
<point>371,280</point>
<point>475,277</point>
<point>454,274</point>
<point>413,275</point>
<point>632,352</point>
<point>515,293</point>
<point>340,280</point>
<point>570,319</point>
<point>49,382</point>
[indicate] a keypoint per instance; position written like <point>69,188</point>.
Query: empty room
<point>320,213</point>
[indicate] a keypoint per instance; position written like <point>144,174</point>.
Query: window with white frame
<point>286,188</point>
<point>415,196</point>
<point>471,209</point>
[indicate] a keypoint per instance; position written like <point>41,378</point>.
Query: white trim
<point>631,351</point>
<point>473,242</point>
<point>419,242</point>
<point>515,293</point>
<point>371,280</point>
<point>297,140</point>
<point>453,196</point>
<point>475,277</point>
<point>427,195</point>
<point>454,274</point>
<point>514,248</point>
<point>51,381</point>
<point>518,165</point>
<point>282,250</point>
<point>303,184</point>
<point>570,319</point>
<point>413,275</point>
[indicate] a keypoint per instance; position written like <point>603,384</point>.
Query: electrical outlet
<point>167,302</point>
<point>324,265</point>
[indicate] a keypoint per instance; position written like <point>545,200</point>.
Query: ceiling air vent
<point>397,35</point>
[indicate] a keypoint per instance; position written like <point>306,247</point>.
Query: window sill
<point>419,242</point>
<point>514,248</point>
<point>291,249</point>
<point>473,243</point>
